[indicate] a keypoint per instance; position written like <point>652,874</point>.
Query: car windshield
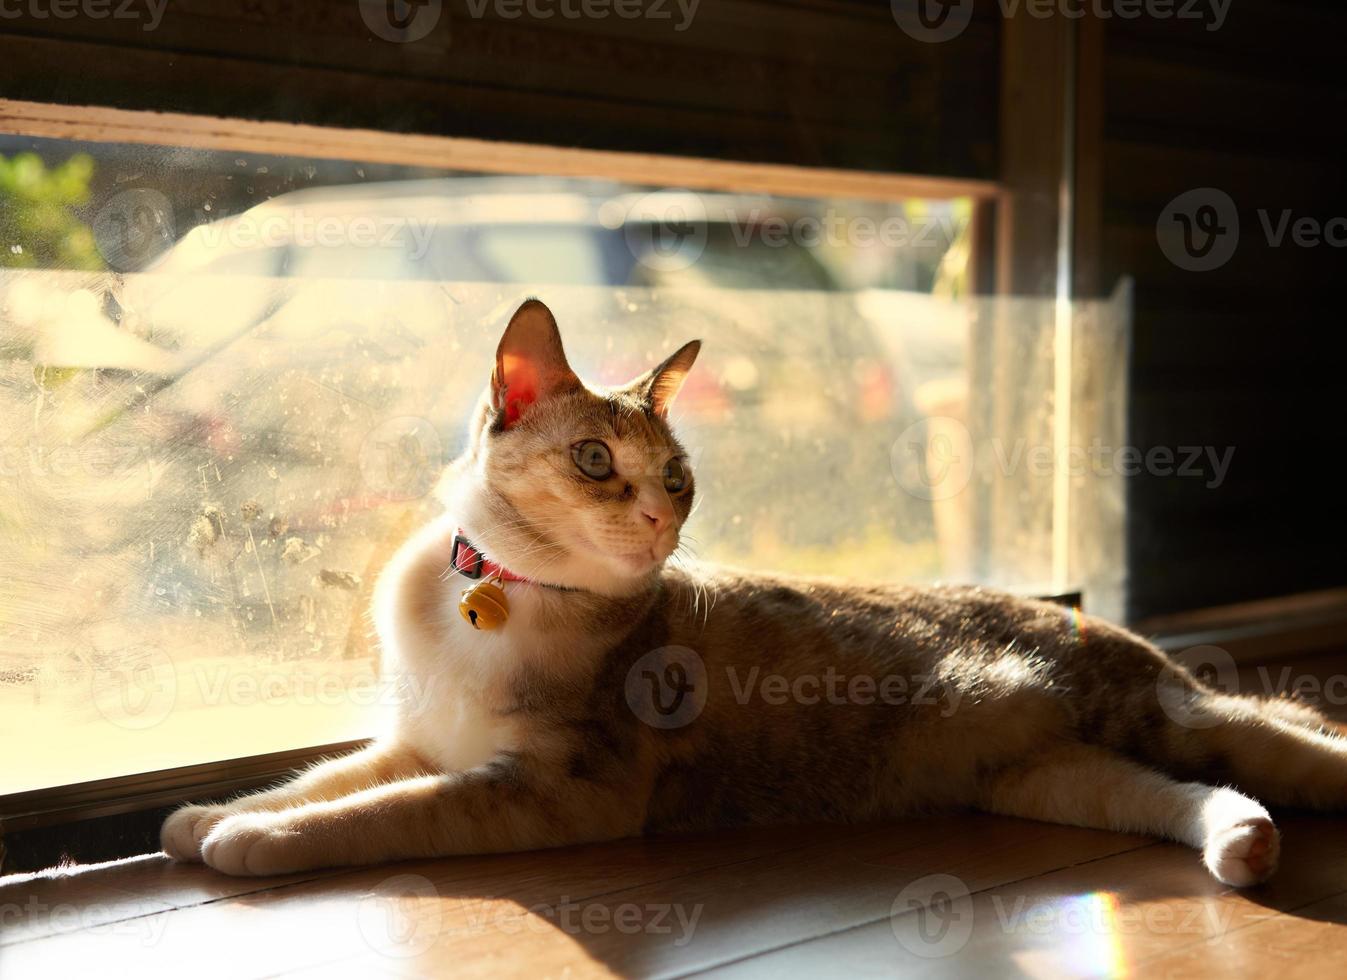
<point>727,256</point>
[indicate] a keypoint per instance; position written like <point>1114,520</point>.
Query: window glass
<point>228,389</point>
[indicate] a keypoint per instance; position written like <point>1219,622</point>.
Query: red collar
<point>469,562</point>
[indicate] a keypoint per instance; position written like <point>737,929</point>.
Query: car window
<point>729,257</point>
<point>396,260</point>
<point>566,254</point>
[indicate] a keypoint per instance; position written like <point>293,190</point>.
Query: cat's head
<point>572,484</point>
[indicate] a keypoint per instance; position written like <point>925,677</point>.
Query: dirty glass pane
<point>227,390</point>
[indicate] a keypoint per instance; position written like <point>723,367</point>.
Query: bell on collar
<point>484,605</point>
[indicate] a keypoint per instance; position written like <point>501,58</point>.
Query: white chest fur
<point>450,677</point>
<point>456,732</point>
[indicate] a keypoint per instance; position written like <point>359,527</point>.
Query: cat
<point>621,696</point>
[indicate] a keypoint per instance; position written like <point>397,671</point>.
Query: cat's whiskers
<point>699,599</point>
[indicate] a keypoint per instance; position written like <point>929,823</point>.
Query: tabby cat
<point>592,693</point>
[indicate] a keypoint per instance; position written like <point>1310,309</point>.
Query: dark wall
<point>1247,354</point>
<point>810,82</point>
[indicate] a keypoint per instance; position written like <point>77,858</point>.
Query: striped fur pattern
<point>812,699</point>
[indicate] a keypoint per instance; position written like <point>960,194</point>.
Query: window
<point>228,391</point>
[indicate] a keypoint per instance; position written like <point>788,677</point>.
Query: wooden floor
<point>964,895</point>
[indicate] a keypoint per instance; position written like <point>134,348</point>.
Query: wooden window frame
<point>116,795</point>
<point>96,124</point>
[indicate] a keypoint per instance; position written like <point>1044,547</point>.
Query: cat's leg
<point>1270,749</point>
<point>1087,786</point>
<point>185,829</point>
<point>1133,699</point>
<point>506,805</point>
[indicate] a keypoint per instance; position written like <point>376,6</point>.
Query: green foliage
<point>951,275</point>
<point>38,225</point>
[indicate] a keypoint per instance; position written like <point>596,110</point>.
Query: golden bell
<point>484,605</point>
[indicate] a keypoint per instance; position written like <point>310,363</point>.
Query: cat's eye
<point>593,459</point>
<point>676,475</point>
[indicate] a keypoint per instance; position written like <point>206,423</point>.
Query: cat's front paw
<point>1244,853</point>
<point>253,844</point>
<point>185,829</point>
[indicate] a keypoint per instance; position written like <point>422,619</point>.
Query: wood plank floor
<point>961,895</point>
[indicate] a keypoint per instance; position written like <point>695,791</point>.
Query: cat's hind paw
<point>1243,853</point>
<point>252,844</point>
<point>185,829</point>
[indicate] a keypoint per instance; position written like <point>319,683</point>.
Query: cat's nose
<point>657,514</point>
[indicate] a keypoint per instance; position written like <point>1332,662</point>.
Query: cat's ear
<point>661,386</point>
<point>530,362</point>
